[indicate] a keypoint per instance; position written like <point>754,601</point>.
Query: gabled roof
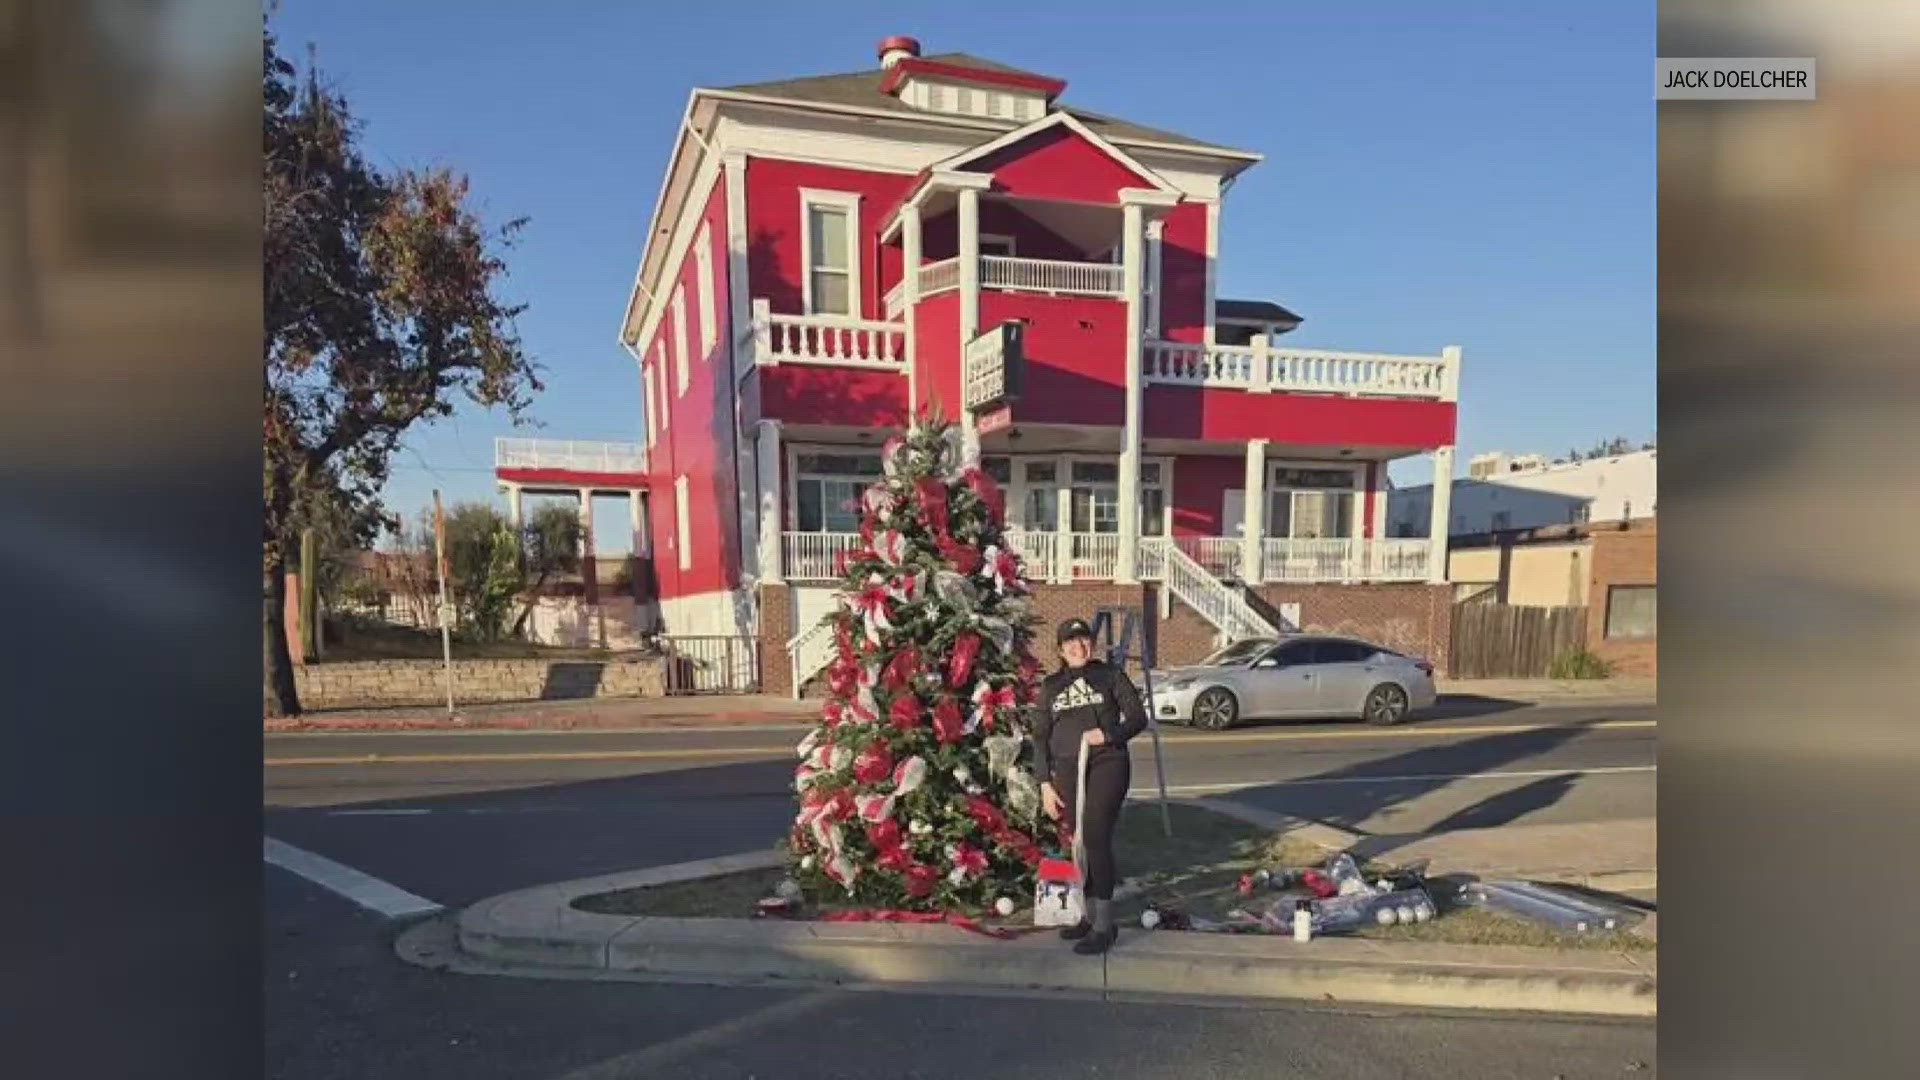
<point>861,89</point>
<point>1057,118</point>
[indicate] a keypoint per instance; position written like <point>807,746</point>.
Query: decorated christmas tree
<point>911,788</point>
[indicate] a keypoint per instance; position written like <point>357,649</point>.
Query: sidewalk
<point>698,710</point>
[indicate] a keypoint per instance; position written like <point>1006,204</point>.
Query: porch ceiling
<point>1309,451</point>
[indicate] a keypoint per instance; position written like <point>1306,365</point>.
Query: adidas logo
<point>1077,695</point>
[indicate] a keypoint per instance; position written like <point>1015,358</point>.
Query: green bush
<point>1579,664</point>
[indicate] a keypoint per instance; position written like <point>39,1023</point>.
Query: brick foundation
<point>776,629</point>
<point>1622,557</point>
<point>1409,617</point>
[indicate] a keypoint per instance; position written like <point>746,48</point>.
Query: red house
<point>830,253</point>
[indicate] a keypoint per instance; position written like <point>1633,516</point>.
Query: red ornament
<point>905,712</point>
<point>986,815</point>
<point>873,764</point>
<point>931,495</point>
<point>921,879</point>
<point>900,669</point>
<point>965,648</point>
<point>947,725</point>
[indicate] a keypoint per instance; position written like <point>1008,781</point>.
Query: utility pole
<point>446,607</point>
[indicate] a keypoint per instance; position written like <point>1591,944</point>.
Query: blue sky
<point>1479,174</point>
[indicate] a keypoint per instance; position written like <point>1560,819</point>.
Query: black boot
<point>1077,930</point>
<point>1097,942</point>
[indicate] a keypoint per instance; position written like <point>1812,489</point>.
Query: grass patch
<point>728,896</point>
<point>375,642</point>
<point>1479,926</point>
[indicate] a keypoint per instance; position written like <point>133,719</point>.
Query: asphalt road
<point>457,817</point>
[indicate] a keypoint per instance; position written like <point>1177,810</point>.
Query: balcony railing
<point>1064,557</point>
<point>571,454</point>
<point>1261,368</point>
<point>833,340</point>
<point>1016,275</point>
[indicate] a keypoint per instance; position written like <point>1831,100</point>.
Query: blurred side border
<point>129,535</point>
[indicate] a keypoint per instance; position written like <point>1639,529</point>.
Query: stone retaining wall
<point>377,683</point>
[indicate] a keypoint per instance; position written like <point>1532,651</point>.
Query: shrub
<point>1579,664</point>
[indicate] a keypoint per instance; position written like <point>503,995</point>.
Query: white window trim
<point>792,470</point>
<point>680,528</point>
<point>1063,484</point>
<point>660,376</point>
<point>703,281</point>
<point>1013,246</point>
<point>848,201</point>
<point>1357,488</point>
<point>680,339</point>
<point>646,390</point>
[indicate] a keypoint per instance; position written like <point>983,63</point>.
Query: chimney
<point>897,48</point>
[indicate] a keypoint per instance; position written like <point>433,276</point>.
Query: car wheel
<point>1215,710</point>
<point>1386,705</point>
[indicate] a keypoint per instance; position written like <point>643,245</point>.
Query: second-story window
<point>832,277</point>
<point>679,340</point>
<point>703,281</point>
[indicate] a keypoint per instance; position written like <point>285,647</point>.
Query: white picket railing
<point>895,300</point>
<point>1344,560</point>
<point>1049,275</point>
<point>1039,552</point>
<point>1218,555</point>
<point>827,339</point>
<point>809,556</point>
<point>1261,368</point>
<point>1397,560</point>
<point>1093,556</point>
<point>578,455</point>
<point>809,651</point>
<point>1217,602</point>
<point>940,276</point>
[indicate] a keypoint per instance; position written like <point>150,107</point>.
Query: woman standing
<point>1087,698</point>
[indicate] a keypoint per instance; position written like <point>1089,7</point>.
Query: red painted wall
<point>774,226</point>
<point>1058,164</point>
<point>1200,484</point>
<point>697,439</point>
<point>809,394</point>
<point>1191,412</point>
<point>1183,273</point>
<point>1076,372</point>
<point>940,236</point>
<point>936,334</point>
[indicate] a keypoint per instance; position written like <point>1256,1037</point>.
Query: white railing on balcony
<point>1344,560</point>
<point>574,454</point>
<point>1218,555</point>
<point>1093,556</point>
<point>808,652</point>
<point>810,556</point>
<point>1260,368</point>
<point>1218,603</point>
<point>1039,554</point>
<point>1049,275</point>
<point>940,276</point>
<point>834,340</point>
<point>1396,560</point>
<point>895,300</point>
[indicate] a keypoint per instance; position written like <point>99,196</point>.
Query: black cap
<point>1071,629</point>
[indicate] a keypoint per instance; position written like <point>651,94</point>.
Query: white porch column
<point>767,454</point>
<point>1155,231</point>
<point>589,563</point>
<point>1442,515</point>
<point>1062,520</point>
<point>910,296</point>
<point>1131,271</point>
<point>636,518</point>
<point>969,225</point>
<point>1253,512</point>
<point>514,514</point>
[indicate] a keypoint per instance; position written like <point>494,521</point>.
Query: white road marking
<point>363,889</point>
<point>378,813</point>
<point>1238,785</point>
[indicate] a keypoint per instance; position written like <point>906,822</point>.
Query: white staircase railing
<point>809,651</point>
<point>1215,600</point>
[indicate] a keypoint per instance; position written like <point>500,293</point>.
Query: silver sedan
<point>1294,677</point>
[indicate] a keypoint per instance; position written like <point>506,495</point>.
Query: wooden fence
<point>1502,641</point>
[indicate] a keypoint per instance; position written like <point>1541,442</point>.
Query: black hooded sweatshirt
<point>1076,700</point>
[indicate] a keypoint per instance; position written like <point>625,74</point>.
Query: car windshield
<point>1240,652</point>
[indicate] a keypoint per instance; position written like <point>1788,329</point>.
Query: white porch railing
<point>1218,555</point>
<point>940,276</point>
<point>1216,602</point>
<point>809,556</point>
<point>1261,368</point>
<point>1344,560</point>
<point>809,651</point>
<point>833,340</point>
<point>578,455</point>
<point>895,300</point>
<point>1093,556</point>
<point>1049,275</point>
<point>1039,552</point>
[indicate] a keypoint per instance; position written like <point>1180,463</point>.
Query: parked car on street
<point>1296,676</point>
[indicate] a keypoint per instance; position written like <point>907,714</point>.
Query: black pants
<point>1109,773</point>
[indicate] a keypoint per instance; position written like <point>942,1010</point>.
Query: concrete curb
<point>538,932</point>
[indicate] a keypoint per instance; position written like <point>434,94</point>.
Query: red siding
<point>1200,484</point>
<point>810,394</point>
<point>1191,412</point>
<point>936,335</point>
<point>774,225</point>
<point>1058,164</point>
<point>1183,273</point>
<point>1076,370</point>
<point>697,439</point>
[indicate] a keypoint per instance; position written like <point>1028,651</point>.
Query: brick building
<point>831,254</point>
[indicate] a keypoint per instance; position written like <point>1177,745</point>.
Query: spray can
<point>1302,920</point>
